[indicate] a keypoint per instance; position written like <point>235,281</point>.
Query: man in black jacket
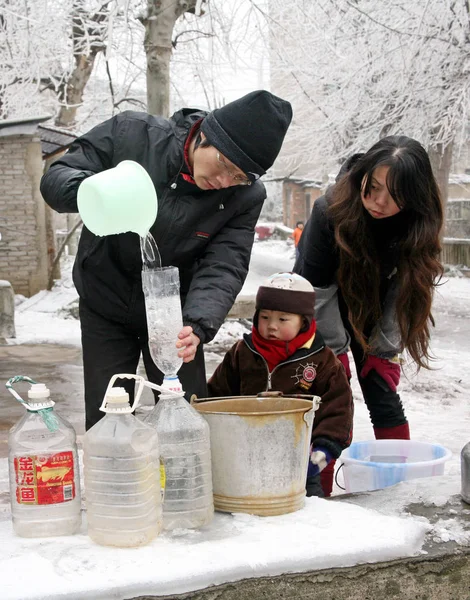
<point>206,169</point>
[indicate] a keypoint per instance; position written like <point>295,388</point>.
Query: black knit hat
<point>287,292</point>
<point>249,131</point>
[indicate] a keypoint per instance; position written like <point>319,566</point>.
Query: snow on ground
<point>321,535</point>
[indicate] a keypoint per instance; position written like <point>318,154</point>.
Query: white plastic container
<point>185,450</point>
<point>117,200</point>
<point>43,466</point>
<point>378,464</point>
<point>122,475</point>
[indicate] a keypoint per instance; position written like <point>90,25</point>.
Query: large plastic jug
<point>184,439</point>
<point>118,200</point>
<point>43,466</point>
<point>122,474</point>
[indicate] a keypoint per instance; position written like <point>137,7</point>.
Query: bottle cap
<point>173,384</point>
<point>116,401</point>
<point>38,395</point>
<point>117,395</point>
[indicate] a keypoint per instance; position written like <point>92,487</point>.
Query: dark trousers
<point>110,347</point>
<point>384,405</point>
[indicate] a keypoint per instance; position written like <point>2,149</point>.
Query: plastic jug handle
<point>159,388</point>
<point>137,395</point>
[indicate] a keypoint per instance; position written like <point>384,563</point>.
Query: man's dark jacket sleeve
<point>207,235</point>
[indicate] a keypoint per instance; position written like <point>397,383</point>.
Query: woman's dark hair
<point>411,183</point>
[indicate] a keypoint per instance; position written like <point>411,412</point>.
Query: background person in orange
<point>299,226</point>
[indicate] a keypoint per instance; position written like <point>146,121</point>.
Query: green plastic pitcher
<point>118,200</point>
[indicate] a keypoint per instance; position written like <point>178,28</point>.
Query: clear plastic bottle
<point>122,475</point>
<point>185,450</point>
<point>465,472</point>
<point>161,288</point>
<point>43,465</point>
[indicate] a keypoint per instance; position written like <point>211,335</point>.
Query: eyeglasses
<point>239,179</point>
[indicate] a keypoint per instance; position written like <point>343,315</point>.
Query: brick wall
<point>23,252</point>
<point>298,200</point>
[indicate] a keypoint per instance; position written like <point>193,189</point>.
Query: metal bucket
<point>260,451</point>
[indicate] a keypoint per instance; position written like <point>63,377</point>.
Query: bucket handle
<point>274,394</point>
<point>336,476</point>
<point>269,394</point>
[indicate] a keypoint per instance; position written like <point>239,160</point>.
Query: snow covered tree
<point>357,70</point>
<point>26,52</point>
<point>159,19</point>
<point>220,55</point>
<point>87,36</point>
<point>48,50</point>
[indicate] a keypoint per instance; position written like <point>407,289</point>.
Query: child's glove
<point>389,370</point>
<point>319,458</point>
<point>345,360</point>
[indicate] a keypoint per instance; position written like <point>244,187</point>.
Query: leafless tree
<point>357,70</point>
<point>159,18</point>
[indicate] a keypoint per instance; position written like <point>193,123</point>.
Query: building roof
<point>54,140</point>
<point>27,126</point>
<point>304,182</point>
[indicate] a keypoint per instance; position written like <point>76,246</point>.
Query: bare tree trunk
<point>53,269</point>
<point>88,39</point>
<point>72,91</point>
<point>159,23</point>
<point>73,241</point>
<point>51,244</point>
<point>60,251</point>
<point>441,160</point>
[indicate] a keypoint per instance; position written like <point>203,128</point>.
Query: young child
<point>284,353</point>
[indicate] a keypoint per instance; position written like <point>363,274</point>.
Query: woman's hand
<point>188,342</point>
<point>388,369</point>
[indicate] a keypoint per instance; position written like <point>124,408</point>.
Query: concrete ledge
<point>437,578</point>
<point>442,573</point>
<point>7,310</point>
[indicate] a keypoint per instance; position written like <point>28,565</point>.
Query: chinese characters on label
<point>45,479</point>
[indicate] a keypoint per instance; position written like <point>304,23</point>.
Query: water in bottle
<point>43,466</point>
<point>164,320</point>
<point>122,475</point>
<point>183,434</point>
<point>185,450</point>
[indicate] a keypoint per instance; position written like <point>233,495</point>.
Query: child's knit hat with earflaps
<point>286,292</point>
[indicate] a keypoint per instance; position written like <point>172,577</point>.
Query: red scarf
<point>275,351</point>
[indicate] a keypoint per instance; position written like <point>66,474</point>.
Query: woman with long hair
<point>371,250</point>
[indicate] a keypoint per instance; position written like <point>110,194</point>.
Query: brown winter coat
<point>314,370</point>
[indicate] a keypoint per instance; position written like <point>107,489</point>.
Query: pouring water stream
<point>149,252</point>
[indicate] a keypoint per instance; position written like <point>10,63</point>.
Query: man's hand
<point>188,342</point>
